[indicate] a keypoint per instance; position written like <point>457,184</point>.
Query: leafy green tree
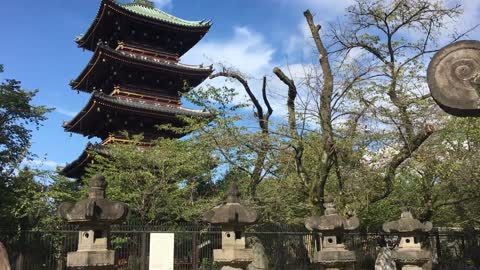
<point>18,116</point>
<point>22,202</point>
<point>366,97</point>
<point>239,147</point>
<point>169,181</point>
<point>21,196</point>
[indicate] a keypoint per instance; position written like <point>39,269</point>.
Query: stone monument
<point>94,216</point>
<point>332,254</point>
<point>454,78</point>
<point>409,254</point>
<point>232,216</point>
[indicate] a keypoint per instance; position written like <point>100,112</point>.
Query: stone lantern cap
<point>407,224</point>
<point>96,209</point>
<point>331,221</point>
<point>453,77</point>
<point>231,211</point>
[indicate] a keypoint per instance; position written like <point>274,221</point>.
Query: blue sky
<point>37,47</point>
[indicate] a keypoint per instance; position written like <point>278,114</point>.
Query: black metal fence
<point>287,247</point>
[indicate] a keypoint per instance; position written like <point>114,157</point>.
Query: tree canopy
<point>355,122</point>
<point>18,116</point>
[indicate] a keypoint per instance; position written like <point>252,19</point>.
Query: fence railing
<point>287,247</point>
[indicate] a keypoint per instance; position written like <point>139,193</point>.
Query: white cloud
<point>65,112</point>
<point>300,41</point>
<point>41,163</point>
<point>246,50</point>
<point>470,16</point>
<point>250,53</point>
<point>163,3</point>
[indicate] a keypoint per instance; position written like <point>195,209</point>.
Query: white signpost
<point>161,251</point>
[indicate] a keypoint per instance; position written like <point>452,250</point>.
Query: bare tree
<point>383,89</point>
<point>263,118</point>
<point>399,64</point>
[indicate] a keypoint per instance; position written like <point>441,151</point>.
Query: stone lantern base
<point>411,259</point>
<point>335,259</point>
<point>233,257</point>
<point>98,259</point>
<point>230,268</point>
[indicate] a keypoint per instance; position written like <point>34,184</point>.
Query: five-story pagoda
<point>134,76</point>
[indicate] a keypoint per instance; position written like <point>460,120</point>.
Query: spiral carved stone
<point>454,78</point>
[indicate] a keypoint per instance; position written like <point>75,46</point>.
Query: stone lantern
<point>333,254</point>
<point>409,255</point>
<point>94,216</point>
<point>232,216</point>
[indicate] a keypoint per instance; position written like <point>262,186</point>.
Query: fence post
<point>143,251</point>
<point>438,245</point>
<point>194,251</point>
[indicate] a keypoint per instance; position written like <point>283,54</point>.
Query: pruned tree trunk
<point>263,119</point>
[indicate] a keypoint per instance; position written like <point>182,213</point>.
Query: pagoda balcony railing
<point>147,52</point>
<point>144,57</point>
<point>128,93</point>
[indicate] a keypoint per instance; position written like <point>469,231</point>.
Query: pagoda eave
<point>100,67</point>
<point>76,168</point>
<point>155,18</point>
<point>115,111</point>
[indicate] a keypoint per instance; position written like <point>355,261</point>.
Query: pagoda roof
<point>96,71</point>
<point>129,106</point>
<point>76,168</point>
<point>142,9</point>
<point>144,12</point>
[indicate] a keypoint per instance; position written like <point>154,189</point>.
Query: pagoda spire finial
<point>146,3</point>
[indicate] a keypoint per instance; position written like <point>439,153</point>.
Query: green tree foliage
<point>166,182</point>
<point>18,116</point>
<point>22,205</point>
<point>23,198</point>
<point>357,130</point>
<point>359,126</point>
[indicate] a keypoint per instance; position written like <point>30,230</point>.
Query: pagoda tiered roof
<point>109,67</point>
<point>134,76</point>
<point>76,168</point>
<point>141,20</point>
<point>106,114</point>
